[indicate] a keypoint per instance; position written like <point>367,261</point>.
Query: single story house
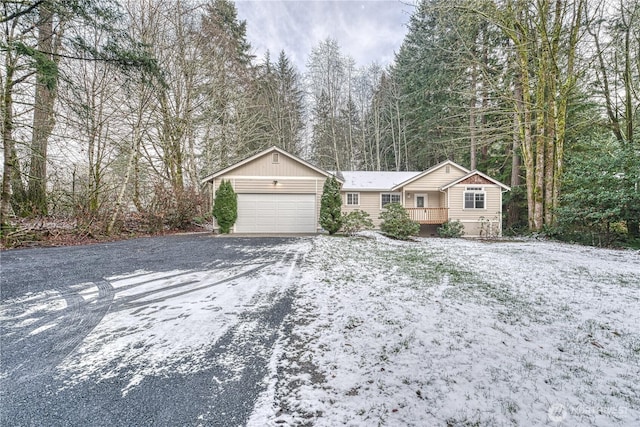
<point>280,193</point>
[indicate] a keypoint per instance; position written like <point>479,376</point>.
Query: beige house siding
<point>477,221</point>
<point>435,179</point>
<point>434,199</point>
<point>369,202</point>
<point>262,176</point>
<point>265,167</point>
<point>259,185</point>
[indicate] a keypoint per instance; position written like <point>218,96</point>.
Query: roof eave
<point>428,171</point>
<point>262,153</point>
<point>475,172</point>
<point>372,190</point>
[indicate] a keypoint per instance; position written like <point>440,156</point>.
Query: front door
<point>421,201</point>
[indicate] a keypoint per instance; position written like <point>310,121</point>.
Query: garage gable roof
<point>263,153</point>
<point>474,173</point>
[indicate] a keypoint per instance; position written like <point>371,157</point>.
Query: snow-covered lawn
<point>457,333</point>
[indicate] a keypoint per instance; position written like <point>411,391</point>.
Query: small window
<point>447,169</point>
<point>275,158</point>
<point>386,198</point>
<point>353,199</point>
<point>474,198</point>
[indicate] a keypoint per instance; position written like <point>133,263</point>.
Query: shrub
<point>225,206</point>
<point>183,210</point>
<point>331,206</point>
<point>356,221</point>
<point>396,222</point>
<point>453,229</point>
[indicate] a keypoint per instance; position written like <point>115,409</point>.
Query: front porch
<point>429,215</point>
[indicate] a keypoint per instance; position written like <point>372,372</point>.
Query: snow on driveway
<point>160,323</point>
<point>458,332</point>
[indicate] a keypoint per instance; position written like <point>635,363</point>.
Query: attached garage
<point>276,213</point>
<point>277,193</point>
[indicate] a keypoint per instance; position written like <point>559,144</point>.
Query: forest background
<point>113,110</point>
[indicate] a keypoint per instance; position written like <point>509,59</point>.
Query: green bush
<point>331,206</point>
<point>453,229</point>
<point>225,206</point>
<point>396,222</point>
<point>356,221</point>
<point>599,204</point>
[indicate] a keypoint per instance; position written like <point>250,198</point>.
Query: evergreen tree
<point>599,193</point>
<point>278,106</point>
<point>228,89</point>
<point>331,206</point>
<point>431,74</point>
<point>225,206</point>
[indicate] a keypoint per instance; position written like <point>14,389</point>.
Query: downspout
<point>213,201</point>
<point>233,184</point>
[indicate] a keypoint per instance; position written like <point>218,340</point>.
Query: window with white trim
<point>275,158</point>
<point>474,198</point>
<point>386,198</point>
<point>353,199</point>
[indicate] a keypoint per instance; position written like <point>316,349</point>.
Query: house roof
<point>260,154</point>
<point>427,172</point>
<point>472,173</point>
<point>361,180</point>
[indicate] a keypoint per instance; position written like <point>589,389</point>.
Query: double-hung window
<point>474,198</point>
<point>353,199</point>
<point>386,198</point>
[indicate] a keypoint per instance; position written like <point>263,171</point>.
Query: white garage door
<point>276,213</point>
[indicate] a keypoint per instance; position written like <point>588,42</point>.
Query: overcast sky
<point>365,30</point>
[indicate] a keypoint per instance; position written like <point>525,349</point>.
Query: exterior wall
<point>264,167</point>
<point>434,199</point>
<point>369,202</point>
<point>260,176</point>
<point>436,179</point>
<point>477,221</point>
<point>290,185</point>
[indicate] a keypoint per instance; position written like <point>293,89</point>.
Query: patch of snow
<point>11,311</point>
<point>42,328</point>
<point>361,180</point>
<point>89,293</point>
<point>457,332</point>
<point>166,322</point>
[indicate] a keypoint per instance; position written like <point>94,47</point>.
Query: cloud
<point>368,31</point>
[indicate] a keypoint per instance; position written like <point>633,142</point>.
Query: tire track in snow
<point>55,334</point>
<point>242,354</point>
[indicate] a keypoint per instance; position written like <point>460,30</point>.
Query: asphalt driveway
<point>158,331</point>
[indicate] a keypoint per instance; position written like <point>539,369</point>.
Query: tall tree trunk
<point>540,147</point>
<point>43,118</point>
<point>472,120</point>
<point>125,182</point>
<point>513,208</point>
<point>523,113</point>
<point>633,222</point>
<point>8,145</point>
